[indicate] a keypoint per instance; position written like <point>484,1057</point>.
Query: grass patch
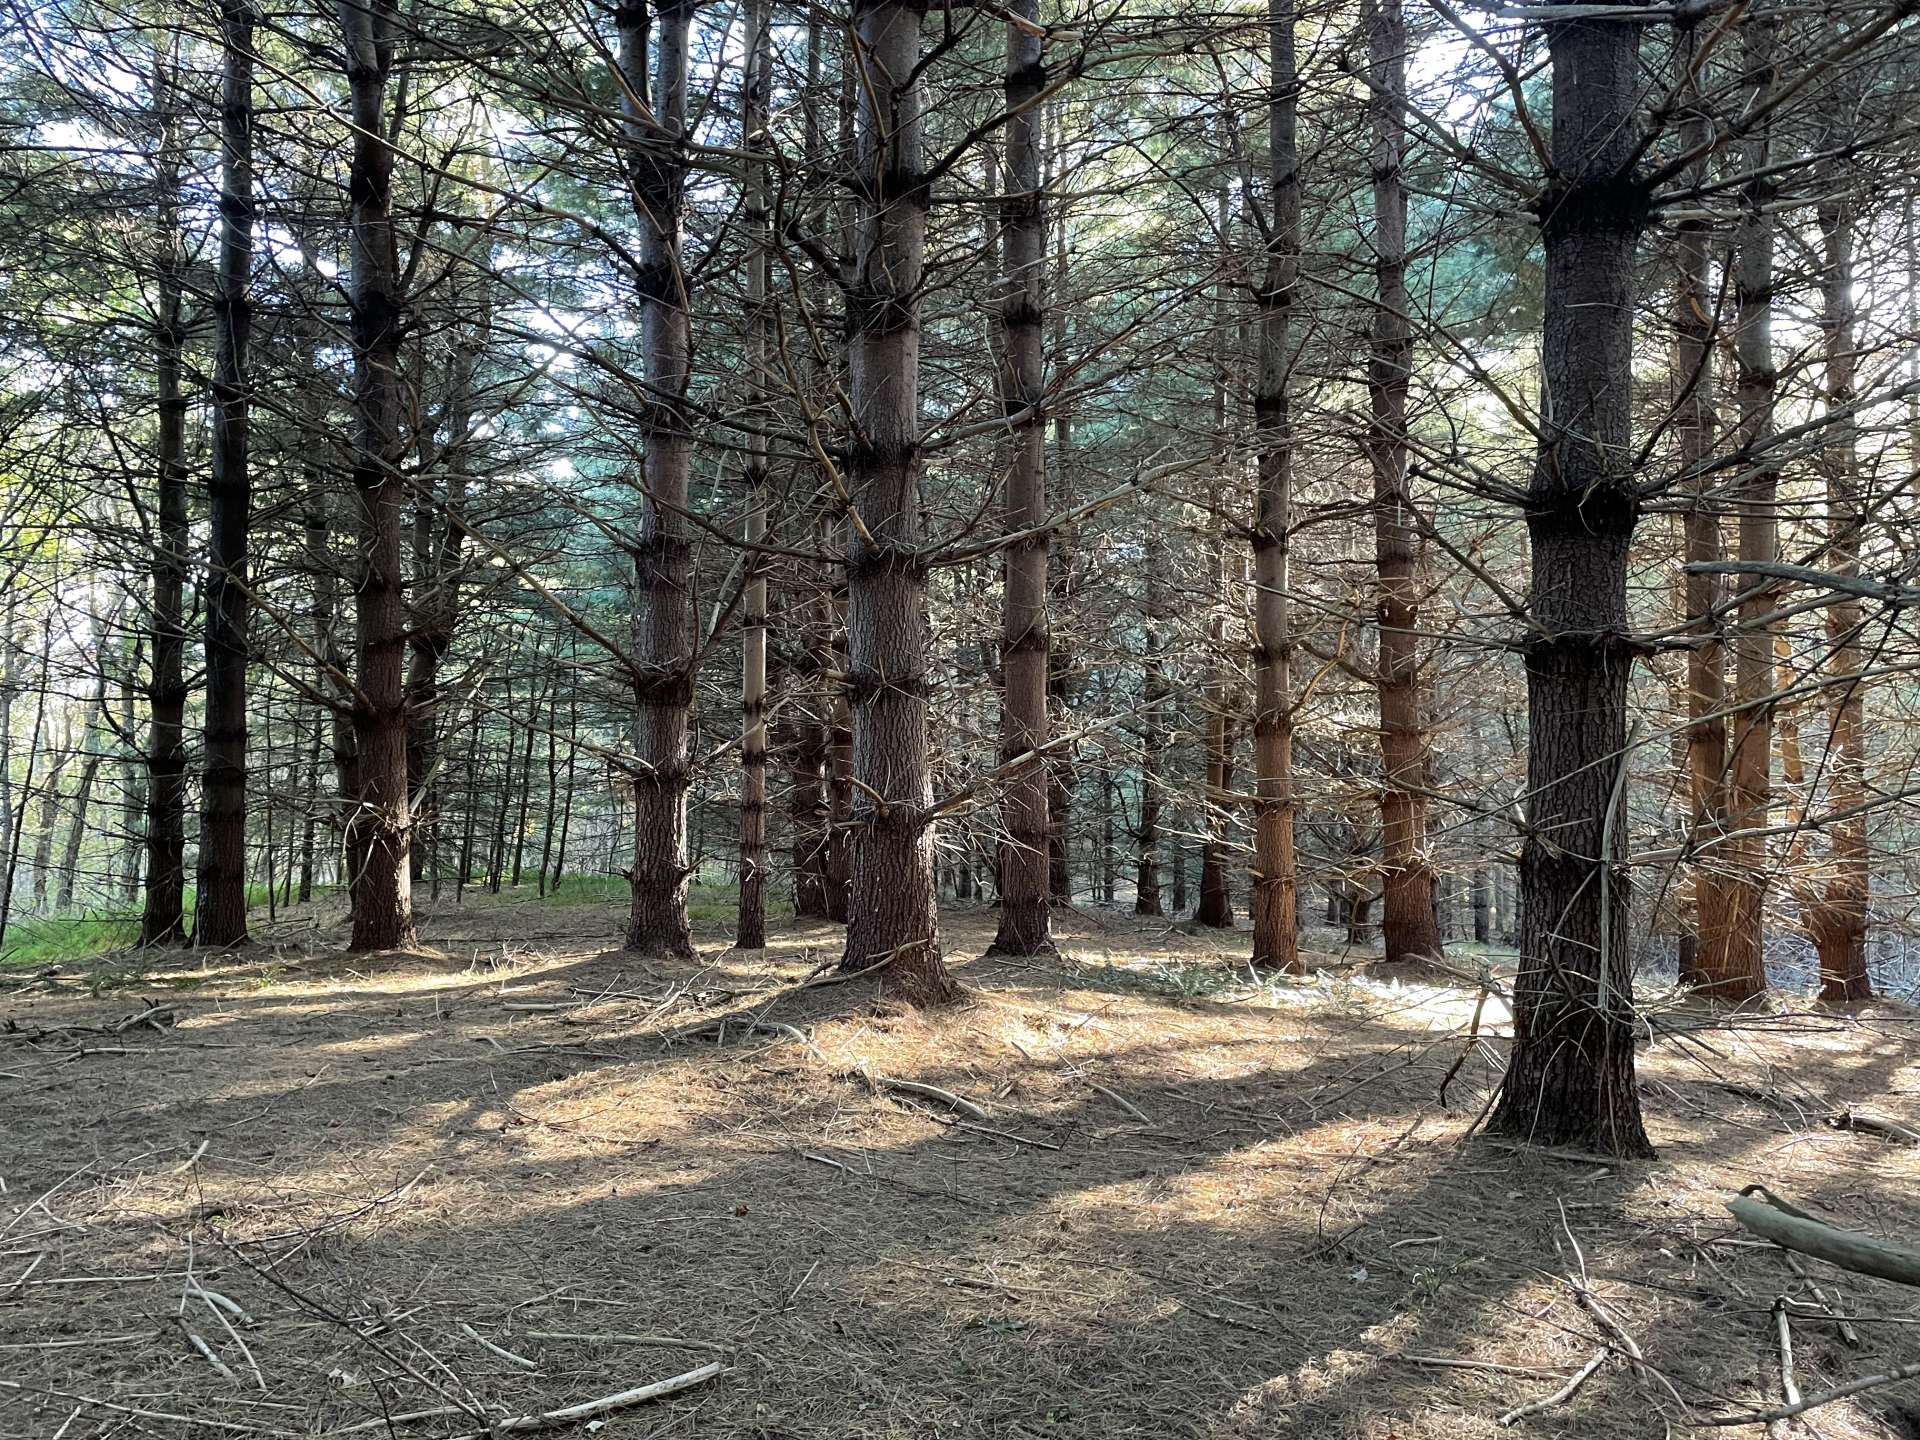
<point>36,944</point>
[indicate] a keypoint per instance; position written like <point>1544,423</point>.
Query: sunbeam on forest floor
<point>296,1192</point>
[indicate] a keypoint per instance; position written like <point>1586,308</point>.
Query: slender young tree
<point>1025,634</point>
<point>1409,925</point>
<point>891,916</point>
<point>220,898</point>
<point>656,159</point>
<point>1276,939</point>
<point>751,929</point>
<point>379,829</point>
<point>1570,1079</point>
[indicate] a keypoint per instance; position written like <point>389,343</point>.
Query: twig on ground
<point>877,1082</point>
<point>519,1362</point>
<point>1122,1101</point>
<point>587,1409</point>
<point>1559,1397</point>
<point>618,1338</point>
<point>1790,1392</point>
<point>207,1353</point>
<point>1448,1362</point>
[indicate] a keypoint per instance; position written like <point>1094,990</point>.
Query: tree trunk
<point>1409,926</point>
<point>891,917</point>
<point>655,122</point>
<point>162,921</point>
<point>220,899</point>
<point>1734,969</point>
<point>1215,909</point>
<point>750,932</point>
<point>1276,939</point>
<point>379,833</point>
<point>1570,1078</point>
<point>1153,702</point>
<point>1837,918</point>
<point>1026,634</point>
<point>1060,570</point>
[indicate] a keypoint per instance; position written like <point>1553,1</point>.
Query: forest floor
<point>1195,1206</point>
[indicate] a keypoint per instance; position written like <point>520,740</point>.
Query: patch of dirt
<point>1188,1205</point>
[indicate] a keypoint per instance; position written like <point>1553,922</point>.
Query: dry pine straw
<point>1227,1216</point>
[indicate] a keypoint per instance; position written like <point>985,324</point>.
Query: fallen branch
<point>1792,1228</point>
<point>1813,1402</point>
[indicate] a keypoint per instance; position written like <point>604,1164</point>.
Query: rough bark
<point>1694,425</point>
<point>1409,926</point>
<point>1734,969</point>
<point>220,897</point>
<point>379,831</point>
<point>1836,915</point>
<point>1570,1077</point>
<point>891,916</point>
<point>162,920</point>
<point>655,124</point>
<point>1215,910</point>
<point>751,928</point>
<point>1025,632</point>
<point>1276,940</point>
<point>1153,735</point>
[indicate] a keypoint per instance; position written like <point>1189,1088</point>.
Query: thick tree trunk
<point>1734,969</point>
<point>750,932</point>
<point>1836,917</point>
<point>1570,1078</point>
<point>162,920</point>
<point>379,832</point>
<point>1276,939</point>
<point>891,916</point>
<point>1409,927</point>
<point>220,898</point>
<point>655,118</point>
<point>1026,634</point>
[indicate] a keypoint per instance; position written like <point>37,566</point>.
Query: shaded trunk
<point>1060,572</point>
<point>1734,969</point>
<point>1023,882</point>
<point>1153,702</point>
<point>750,932</point>
<point>1409,926</point>
<point>220,897</point>
<point>1570,1078</point>
<point>1215,909</point>
<point>655,116</point>
<point>1694,426</point>
<point>379,831</point>
<point>891,916</point>
<point>162,921</point>
<point>1276,940</point>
